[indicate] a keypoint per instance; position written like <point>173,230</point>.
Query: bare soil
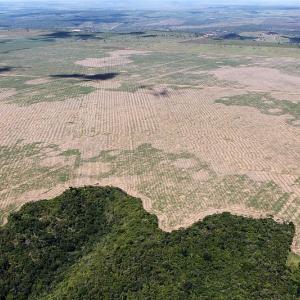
<point>260,78</point>
<point>115,58</point>
<point>229,140</point>
<point>38,81</point>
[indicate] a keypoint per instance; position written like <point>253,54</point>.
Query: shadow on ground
<point>4,69</point>
<point>102,76</point>
<point>50,37</point>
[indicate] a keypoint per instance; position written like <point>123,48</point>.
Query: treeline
<point>99,243</point>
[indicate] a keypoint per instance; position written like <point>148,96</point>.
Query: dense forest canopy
<point>99,243</point>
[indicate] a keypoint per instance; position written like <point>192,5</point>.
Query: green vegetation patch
<point>266,104</point>
<point>189,184</point>
<point>293,261</point>
<point>58,90</point>
<point>99,243</point>
<point>14,82</point>
<point>73,153</point>
<point>169,67</point>
<point>26,167</point>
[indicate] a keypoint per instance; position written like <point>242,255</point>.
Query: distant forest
<point>99,243</point>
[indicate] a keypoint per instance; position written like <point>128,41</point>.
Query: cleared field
<point>177,124</point>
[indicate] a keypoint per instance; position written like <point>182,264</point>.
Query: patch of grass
<point>244,50</point>
<point>155,66</point>
<point>73,153</point>
<point>29,173</point>
<point>8,154</point>
<point>265,104</point>
<point>172,61</point>
<point>182,190</point>
<point>128,87</point>
<point>293,261</point>
<point>187,79</point>
<point>269,197</point>
<point>54,91</point>
<point>28,157</point>
<point>70,152</point>
<point>14,82</point>
<point>144,159</point>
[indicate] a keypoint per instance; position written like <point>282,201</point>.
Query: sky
<point>152,4</point>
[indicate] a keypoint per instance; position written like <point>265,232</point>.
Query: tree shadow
<point>5,69</point>
<point>132,33</point>
<point>58,35</point>
<point>101,77</point>
<point>50,37</point>
<point>149,35</point>
<point>87,36</point>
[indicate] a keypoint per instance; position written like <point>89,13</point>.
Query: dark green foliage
<point>99,243</point>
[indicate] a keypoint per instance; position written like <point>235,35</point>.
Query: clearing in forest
<point>192,129</point>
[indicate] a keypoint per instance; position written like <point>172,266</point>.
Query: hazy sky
<point>152,4</point>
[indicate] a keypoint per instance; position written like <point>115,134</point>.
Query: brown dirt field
<point>294,97</point>
<point>115,58</point>
<point>275,110</point>
<point>296,123</point>
<point>201,175</point>
<point>185,163</point>
<point>6,93</point>
<point>217,141</point>
<point>260,78</point>
<point>38,81</point>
